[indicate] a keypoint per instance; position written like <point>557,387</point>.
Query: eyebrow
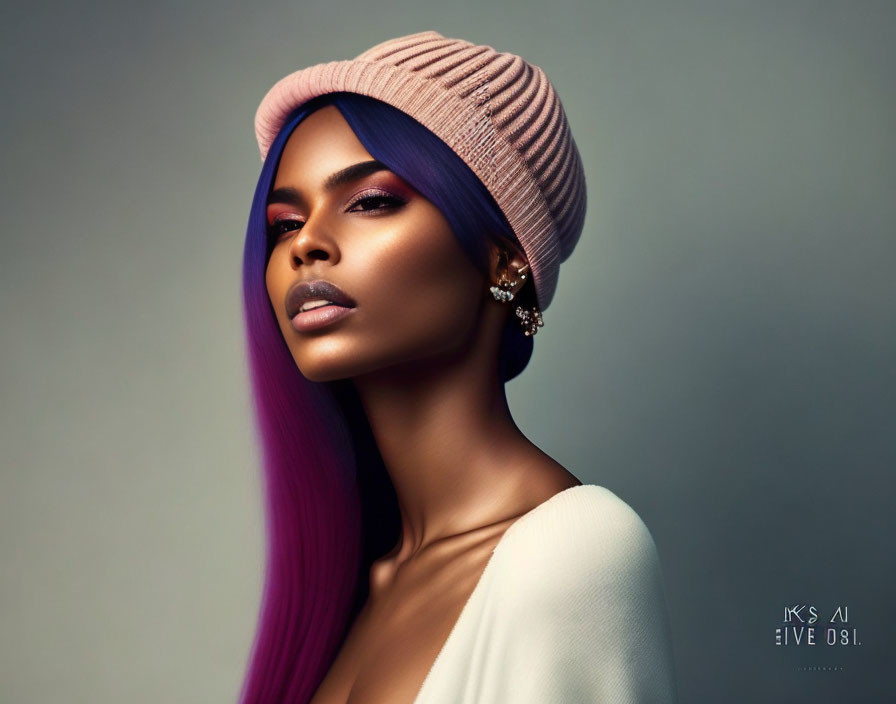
<point>354,172</point>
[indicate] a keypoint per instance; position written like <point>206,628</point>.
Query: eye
<point>370,202</point>
<point>373,201</point>
<point>279,228</point>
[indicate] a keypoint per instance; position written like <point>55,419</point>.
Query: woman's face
<point>416,294</point>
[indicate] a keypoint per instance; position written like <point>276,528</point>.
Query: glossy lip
<point>313,290</point>
<point>319,317</point>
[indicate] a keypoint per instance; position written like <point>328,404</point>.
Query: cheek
<point>270,284</point>
<point>425,279</point>
<point>275,285</point>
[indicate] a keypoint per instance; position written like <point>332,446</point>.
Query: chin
<point>322,374</point>
<point>321,369</point>
<point>324,371</point>
<point>327,359</point>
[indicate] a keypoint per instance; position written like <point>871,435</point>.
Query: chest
<point>397,636</point>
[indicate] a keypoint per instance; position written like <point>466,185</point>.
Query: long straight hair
<point>330,507</point>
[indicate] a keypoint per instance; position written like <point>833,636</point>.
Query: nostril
<point>312,254</point>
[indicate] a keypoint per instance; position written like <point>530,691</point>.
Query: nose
<point>312,243</point>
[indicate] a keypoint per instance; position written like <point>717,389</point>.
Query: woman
<point>405,236</point>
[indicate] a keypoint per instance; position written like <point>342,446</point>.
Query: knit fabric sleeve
<point>582,616</point>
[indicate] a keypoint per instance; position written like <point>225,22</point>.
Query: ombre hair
<point>330,507</point>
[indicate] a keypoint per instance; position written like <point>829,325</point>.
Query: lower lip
<point>319,318</point>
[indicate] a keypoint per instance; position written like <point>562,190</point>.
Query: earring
<point>530,319</point>
<point>503,291</point>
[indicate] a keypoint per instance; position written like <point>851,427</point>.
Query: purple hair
<point>330,506</point>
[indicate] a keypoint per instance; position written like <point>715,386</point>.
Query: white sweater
<point>570,609</point>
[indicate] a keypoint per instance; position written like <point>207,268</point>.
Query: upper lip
<point>314,290</point>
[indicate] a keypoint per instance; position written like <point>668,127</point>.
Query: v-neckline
<point>482,580</point>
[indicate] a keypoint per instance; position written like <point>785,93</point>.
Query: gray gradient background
<point>719,353</point>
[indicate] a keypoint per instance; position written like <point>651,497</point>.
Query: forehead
<point>322,143</point>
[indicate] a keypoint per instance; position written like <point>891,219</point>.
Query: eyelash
<point>275,228</point>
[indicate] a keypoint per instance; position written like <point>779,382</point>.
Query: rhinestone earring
<point>530,319</point>
<point>504,290</point>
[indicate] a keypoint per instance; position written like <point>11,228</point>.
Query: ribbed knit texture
<point>570,609</point>
<point>499,113</point>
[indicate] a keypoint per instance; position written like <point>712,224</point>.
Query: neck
<point>455,456</point>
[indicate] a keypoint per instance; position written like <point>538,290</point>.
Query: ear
<point>508,263</point>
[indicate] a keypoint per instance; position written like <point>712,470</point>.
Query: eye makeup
<point>369,201</point>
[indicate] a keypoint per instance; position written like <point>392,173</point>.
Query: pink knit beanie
<point>499,113</point>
